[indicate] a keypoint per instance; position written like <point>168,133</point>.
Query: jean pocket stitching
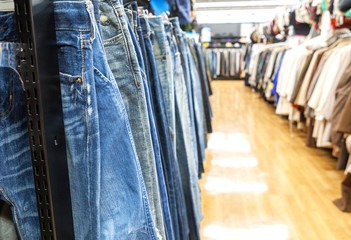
<point>113,40</point>
<point>106,79</point>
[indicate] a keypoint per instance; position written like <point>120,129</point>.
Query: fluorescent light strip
<point>246,4</point>
<point>234,16</point>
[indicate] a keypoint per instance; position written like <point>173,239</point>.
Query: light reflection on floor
<point>262,232</point>
<point>217,185</point>
<point>239,162</point>
<point>232,159</point>
<point>229,142</point>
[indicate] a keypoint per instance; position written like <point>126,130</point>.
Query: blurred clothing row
<point>225,62</point>
<point>310,83</point>
<point>135,98</point>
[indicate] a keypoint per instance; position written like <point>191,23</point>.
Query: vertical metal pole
<point>38,66</point>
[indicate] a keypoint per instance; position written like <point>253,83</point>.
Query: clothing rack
<point>38,67</point>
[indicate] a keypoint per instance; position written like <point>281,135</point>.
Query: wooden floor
<point>261,182</point>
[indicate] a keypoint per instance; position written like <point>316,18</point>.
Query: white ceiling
<point>240,11</point>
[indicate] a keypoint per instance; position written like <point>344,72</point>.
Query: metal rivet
<point>79,80</point>
<point>103,18</point>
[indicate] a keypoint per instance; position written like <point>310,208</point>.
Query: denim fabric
<point>119,46</point>
<point>160,175</point>
<point>181,152</point>
<point>205,87</point>
<point>161,118</point>
<point>187,81</point>
<point>171,73</point>
<point>94,111</point>
<point>143,37</point>
<point>131,9</point>
<point>16,174</point>
<point>75,34</point>
<point>187,153</point>
<point>195,116</point>
<point>163,58</point>
<point>198,102</point>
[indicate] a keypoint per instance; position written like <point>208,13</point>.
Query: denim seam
<point>73,29</point>
<point>127,48</point>
<point>113,40</point>
<point>15,212</point>
<point>84,87</point>
<point>107,80</point>
<point>11,105</point>
<point>86,115</point>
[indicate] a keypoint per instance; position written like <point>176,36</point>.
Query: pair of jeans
<point>197,100</point>
<point>181,151</point>
<point>99,140</point>
<point>162,52</point>
<point>156,41</point>
<point>185,63</point>
<point>16,174</point>
<point>144,39</point>
<point>186,149</point>
<point>118,43</point>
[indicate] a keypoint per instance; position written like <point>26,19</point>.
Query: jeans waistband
<point>144,23</point>
<point>132,6</point>
<point>176,25</point>
<point>117,6</point>
<point>74,15</point>
<point>156,23</point>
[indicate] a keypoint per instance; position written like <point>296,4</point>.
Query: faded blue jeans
<point>186,149</point>
<point>164,65</point>
<point>123,60</point>
<point>108,193</point>
<point>156,40</point>
<point>16,174</point>
<point>144,33</point>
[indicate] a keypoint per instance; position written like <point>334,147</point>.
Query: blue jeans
<point>184,58</point>
<point>164,63</point>
<point>144,36</point>
<point>170,163</point>
<point>110,179</point>
<point>128,76</point>
<point>16,174</point>
<point>198,103</point>
<point>187,153</point>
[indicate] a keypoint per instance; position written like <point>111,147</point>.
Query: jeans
<point>198,103</point>
<point>128,76</point>
<point>164,65</point>
<point>143,38</point>
<point>94,111</point>
<point>170,164</point>
<point>186,150</point>
<point>16,174</point>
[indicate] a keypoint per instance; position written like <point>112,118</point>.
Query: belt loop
<point>90,9</point>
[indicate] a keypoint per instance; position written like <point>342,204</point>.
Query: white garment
<point>326,104</point>
<point>300,57</point>
<point>328,72</point>
<point>7,5</point>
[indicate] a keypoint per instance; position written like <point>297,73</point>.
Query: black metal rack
<point>38,67</point>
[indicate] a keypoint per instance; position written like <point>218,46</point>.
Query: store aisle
<point>261,182</point>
